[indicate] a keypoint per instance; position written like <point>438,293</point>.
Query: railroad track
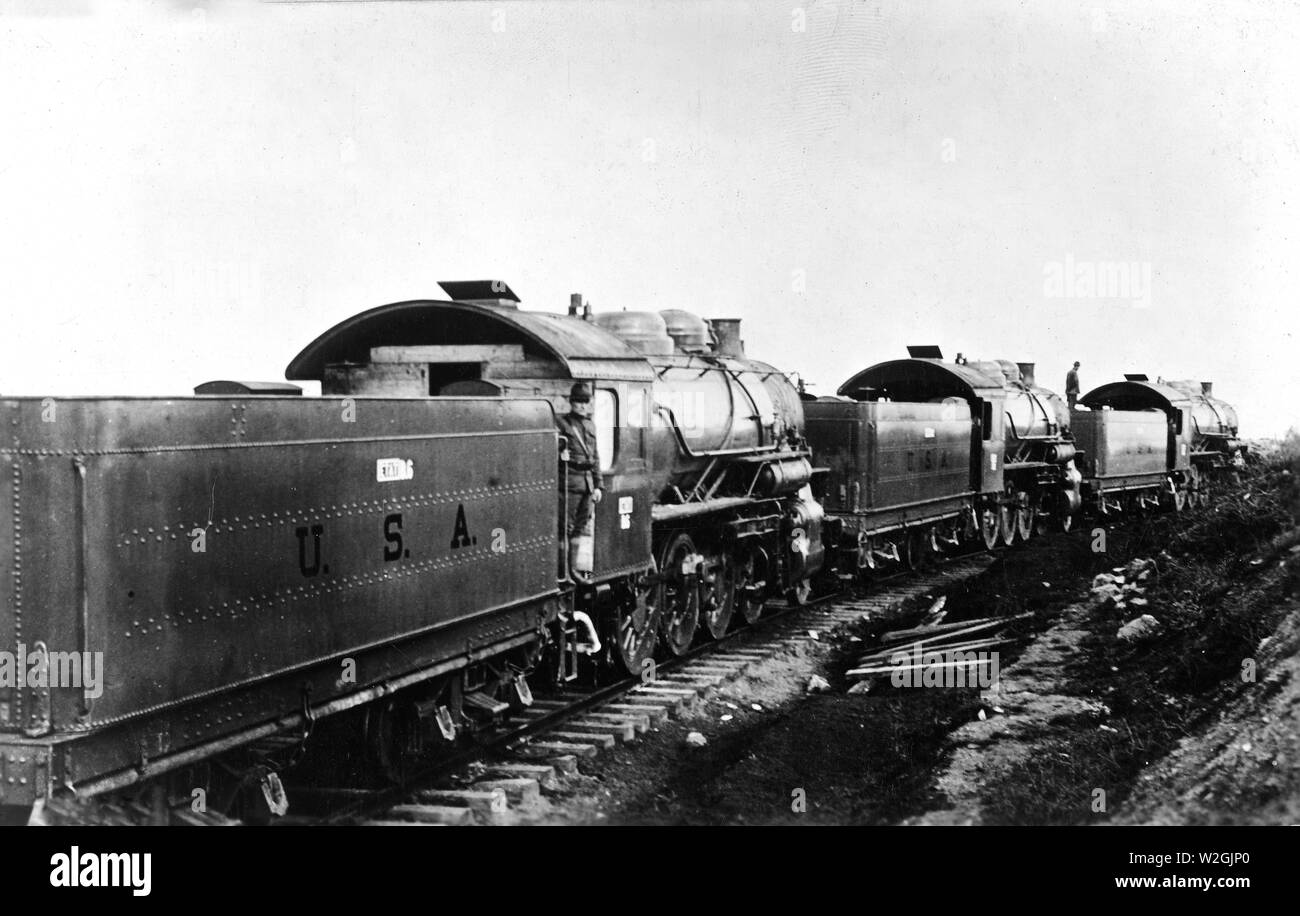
<point>541,749</point>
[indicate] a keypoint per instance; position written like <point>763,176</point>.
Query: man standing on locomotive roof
<point>582,482</point>
<point>1072,385</point>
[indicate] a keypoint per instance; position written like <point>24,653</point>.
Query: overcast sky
<point>196,191</point>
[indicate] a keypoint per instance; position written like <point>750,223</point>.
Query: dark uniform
<point>583,476</point>
<point>1072,386</point>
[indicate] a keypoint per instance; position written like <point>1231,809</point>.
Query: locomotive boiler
<point>729,467</point>
<point>1213,424</point>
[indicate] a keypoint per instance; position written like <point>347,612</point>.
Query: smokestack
<point>1027,374</point>
<point>726,332</point>
<point>575,303</point>
<point>1207,388</point>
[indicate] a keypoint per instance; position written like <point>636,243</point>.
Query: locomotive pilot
<point>582,482</point>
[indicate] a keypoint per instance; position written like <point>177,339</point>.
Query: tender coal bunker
<point>444,374</point>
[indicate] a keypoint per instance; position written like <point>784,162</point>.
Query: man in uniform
<point>583,482</point>
<point>1072,385</point>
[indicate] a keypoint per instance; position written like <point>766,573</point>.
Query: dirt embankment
<point>1194,719</point>
<point>776,754</point>
<point>1243,765</point>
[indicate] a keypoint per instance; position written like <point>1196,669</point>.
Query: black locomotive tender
<point>249,561</point>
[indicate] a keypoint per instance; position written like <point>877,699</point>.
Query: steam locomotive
<point>1151,444</point>
<point>247,562</point>
<point>926,456</point>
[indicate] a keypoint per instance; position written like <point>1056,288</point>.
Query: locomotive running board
<point>686,510</point>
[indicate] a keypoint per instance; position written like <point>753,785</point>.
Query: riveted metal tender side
<point>219,558</point>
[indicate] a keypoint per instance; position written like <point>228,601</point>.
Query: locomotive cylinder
<point>1060,453</point>
<point>781,477</point>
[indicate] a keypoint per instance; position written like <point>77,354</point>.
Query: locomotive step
<point>479,700</point>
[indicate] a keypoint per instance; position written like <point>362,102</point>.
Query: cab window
<point>605,416</point>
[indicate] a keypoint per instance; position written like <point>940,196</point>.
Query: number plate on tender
<point>389,469</point>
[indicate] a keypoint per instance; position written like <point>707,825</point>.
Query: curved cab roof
<point>923,379</point>
<point>584,349</point>
<point>1135,396</point>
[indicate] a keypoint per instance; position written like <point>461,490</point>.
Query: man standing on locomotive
<point>1072,385</point>
<point>582,482</point>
